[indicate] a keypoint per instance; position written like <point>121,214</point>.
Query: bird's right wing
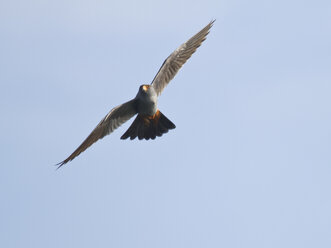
<point>116,117</point>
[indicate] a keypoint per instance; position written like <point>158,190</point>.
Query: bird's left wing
<point>177,59</point>
<point>116,117</point>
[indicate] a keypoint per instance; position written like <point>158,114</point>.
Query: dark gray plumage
<point>150,122</point>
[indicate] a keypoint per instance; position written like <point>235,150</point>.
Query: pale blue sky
<point>249,164</point>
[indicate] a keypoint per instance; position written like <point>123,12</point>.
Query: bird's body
<point>146,100</point>
<point>150,122</point>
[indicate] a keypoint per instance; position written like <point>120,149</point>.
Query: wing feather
<point>116,117</point>
<point>177,59</point>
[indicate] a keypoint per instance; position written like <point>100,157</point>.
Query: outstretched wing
<point>175,61</point>
<point>116,117</point>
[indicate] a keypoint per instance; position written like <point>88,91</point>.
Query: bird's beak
<point>145,87</point>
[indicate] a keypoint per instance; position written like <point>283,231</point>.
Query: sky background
<point>249,164</point>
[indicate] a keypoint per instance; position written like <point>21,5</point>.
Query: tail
<point>148,127</point>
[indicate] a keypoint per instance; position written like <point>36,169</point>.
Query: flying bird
<point>150,122</point>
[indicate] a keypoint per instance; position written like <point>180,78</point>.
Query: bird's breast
<point>147,102</point>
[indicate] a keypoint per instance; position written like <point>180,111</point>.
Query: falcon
<point>150,122</point>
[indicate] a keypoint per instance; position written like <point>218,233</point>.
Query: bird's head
<point>144,88</point>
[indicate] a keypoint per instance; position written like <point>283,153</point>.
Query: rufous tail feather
<point>148,127</point>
